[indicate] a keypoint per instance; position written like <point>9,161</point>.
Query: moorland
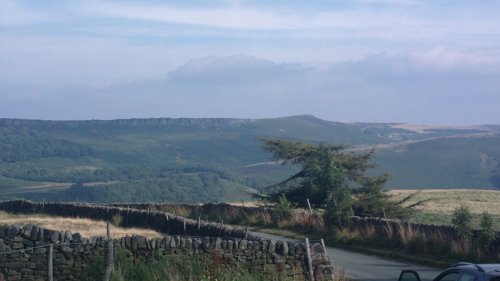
<point>221,159</point>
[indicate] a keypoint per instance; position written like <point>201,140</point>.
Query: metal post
<point>323,245</point>
<point>246,232</point>
<point>326,254</point>
<point>184,224</point>
<point>309,261</point>
<point>309,205</point>
<point>383,211</point>
<point>49,269</point>
<point>107,230</point>
<point>199,223</point>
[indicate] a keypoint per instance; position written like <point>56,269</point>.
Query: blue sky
<point>432,62</point>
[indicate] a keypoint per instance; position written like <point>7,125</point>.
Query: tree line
<point>22,144</point>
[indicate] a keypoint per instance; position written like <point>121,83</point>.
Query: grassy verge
<point>177,268</point>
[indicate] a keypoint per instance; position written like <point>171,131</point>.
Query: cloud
<point>378,88</point>
<point>263,17</point>
<point>12,13</point>
<point>443,58</point>
<point>227,17</point>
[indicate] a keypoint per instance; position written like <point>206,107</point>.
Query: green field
<point>10,183</point>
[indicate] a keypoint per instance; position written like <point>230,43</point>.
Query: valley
<point>221,159</point>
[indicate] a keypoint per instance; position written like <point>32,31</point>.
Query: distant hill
<point>218,159</point>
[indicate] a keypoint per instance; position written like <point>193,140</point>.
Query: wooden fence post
<point>108,255</point>
<point>309,261</point>
<point>50,268</point>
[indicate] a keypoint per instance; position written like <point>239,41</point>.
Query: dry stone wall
<point>24,253</point>
<point>182,237</point>
<point>129,217</point>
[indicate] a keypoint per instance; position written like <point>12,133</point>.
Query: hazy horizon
<point>258,118</point>
<point>386,61</point>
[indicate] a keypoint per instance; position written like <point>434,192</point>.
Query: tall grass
<point>406,238</point>
<point>182,268</point>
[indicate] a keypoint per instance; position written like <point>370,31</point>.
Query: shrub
<point>462,219</point>
<point>487,233</point>
<point>283,209</point>
<point>117,220</point>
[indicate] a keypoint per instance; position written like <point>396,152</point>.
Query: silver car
<point>461,271</point>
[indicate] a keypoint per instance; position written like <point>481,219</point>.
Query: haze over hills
<point>216,159</point>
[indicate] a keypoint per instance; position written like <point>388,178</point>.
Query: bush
<point>487,234</point>
<point>462,219</point>
<point>283,209</point>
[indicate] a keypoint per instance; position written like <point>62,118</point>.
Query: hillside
<point>207,160</point>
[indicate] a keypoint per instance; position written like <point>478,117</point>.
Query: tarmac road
<point>368,268</point>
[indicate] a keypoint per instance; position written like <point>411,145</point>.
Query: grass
<point>409,243</point>
<point>444,201</point>
<point>194,268</point>
<point>86,227</point>
<point>179,268</point>
<point>9,183</point>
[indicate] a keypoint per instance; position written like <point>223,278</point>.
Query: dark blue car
<point>462,271</point>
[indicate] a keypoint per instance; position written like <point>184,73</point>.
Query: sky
<point>406,61</point>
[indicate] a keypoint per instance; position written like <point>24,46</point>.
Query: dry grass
<point>302,219</point>
<point>247,204</point>
<point>85,227</point>
<point>341,275</point>
<point>446,200</point>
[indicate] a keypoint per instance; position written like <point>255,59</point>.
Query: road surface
<point>368,268</point>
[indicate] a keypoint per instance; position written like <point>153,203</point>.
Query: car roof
<point>493,268</point>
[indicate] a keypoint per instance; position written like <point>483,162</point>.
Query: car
<point>462,271</point>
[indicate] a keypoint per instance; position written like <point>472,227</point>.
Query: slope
<point>136,153</point>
